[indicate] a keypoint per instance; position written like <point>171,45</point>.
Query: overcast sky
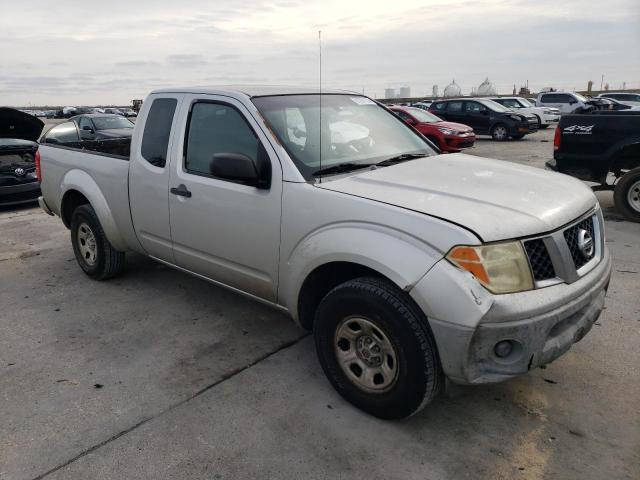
<point>90,52</point>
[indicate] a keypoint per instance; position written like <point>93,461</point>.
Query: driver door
<point>222,229</point>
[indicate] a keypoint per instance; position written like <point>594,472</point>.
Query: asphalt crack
<point>224,378</point>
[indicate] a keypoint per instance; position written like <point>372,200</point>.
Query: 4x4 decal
<point>578,129</point>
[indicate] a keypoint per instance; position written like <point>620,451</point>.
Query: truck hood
<point>494,199</point>
<point>17,124</point>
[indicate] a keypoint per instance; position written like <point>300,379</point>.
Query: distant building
<point>405,92</point>
<point>389,93</point>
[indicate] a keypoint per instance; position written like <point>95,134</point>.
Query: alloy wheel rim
<point>500,132</point>
<point>633,196</point>
<point>366,355</point>
<point>87,244</point>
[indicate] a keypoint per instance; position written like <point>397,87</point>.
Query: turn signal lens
<point>500,267</point>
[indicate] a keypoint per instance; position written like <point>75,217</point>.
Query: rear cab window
<point>157,130</point>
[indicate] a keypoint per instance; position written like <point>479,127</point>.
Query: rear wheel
<point>627,195</point>
<point>95,255</point>
<point>499,132</point>
<point>377,349</point>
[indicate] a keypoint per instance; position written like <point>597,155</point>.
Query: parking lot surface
<point>158,374</point>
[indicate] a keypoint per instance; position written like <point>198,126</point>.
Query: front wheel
<point>500,132</point>
<point>626,195</point>
<point>377,349</point>
<point>95,255</point>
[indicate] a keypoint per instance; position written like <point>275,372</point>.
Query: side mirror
<point>237,167</point>
<point>571,102</point>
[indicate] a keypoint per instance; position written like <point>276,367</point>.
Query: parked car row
<point>68,112</point>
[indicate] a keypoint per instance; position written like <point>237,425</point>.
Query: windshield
<point>495,106</point>
<point>580,97</point>
<point>525,103</point>
<point>355,130</point>
<point>422,115</point>
<point>108,123</point>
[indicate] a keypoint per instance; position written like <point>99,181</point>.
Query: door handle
<point>181,191</point>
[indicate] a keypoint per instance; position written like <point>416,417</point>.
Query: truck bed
<point>66,168</point>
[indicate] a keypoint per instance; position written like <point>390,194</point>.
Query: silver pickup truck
<point>410,267</point>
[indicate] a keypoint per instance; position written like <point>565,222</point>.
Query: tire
<point>543,126</point>
<point>539,122</point>
<point>500,132</point>
<point>95,255</point>
<point>356,317</point>
<point>626,195</point>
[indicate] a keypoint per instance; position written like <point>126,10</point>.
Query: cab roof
<point>254,90</point>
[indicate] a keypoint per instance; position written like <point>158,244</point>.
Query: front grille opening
<point>571,237</point>
<point>539,260</point>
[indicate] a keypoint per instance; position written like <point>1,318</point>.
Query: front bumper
<point>455,143</point>
<point>541,323</point>
<point>550,119</point>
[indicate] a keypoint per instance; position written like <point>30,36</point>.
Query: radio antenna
<point>320,97</point>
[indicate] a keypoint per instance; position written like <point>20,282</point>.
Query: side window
<point>85,122</point>
<point>454,107</point>
<point>548,98</point>
<point>403,115</point>
<point>157,129</point>
<point>217,128</point>
<point>439,106</point>
<point>62,133</point>
<point>474,107</point>
<point>511,103</point>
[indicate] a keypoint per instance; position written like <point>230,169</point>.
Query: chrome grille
<point>539,259</point>
<point>557,257</point>
<point>571,236</point>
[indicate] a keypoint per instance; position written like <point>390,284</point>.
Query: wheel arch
<point>625,157</point>
<point>336,254</point>
<point>79,188</point>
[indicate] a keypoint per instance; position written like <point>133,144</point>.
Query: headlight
<point>447,131</point>
<point>516,118</point>
<point>548,112</point>
<point>499,267</point>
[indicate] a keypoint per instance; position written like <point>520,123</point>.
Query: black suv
<point>486,117</point>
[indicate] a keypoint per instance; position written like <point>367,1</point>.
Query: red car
<point>449,137</point>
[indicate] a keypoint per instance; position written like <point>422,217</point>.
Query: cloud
<point>73,55</point>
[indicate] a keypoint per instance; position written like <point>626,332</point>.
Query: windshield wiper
<point>341,168</point>
<point>400,158</point>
